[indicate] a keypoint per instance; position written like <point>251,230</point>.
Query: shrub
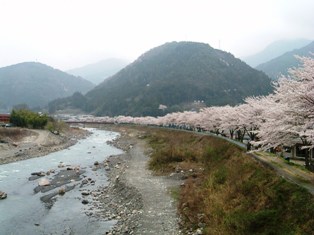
<point>27,118</point>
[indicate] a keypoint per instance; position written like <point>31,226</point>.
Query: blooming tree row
<point>284,118</point>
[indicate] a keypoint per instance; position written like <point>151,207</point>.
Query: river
<point>22,212</point>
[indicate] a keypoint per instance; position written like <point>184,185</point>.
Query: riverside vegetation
<point>226,191</point>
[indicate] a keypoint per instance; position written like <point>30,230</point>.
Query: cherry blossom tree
<point>252,114</point>
<point>212,119</point>
<point>229,120</point>
<point>289,117</point>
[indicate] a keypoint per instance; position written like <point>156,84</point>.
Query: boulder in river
<point>40,173</point>
<point>61,165</point>
<point>85,201</point>
<point>62,191</point>
<point>37,175</point>
<point>44,182</point>
<point>84,181</point>
<point>3,195</point>
<point>85,193</point>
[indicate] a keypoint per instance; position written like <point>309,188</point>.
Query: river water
<point>22,212</point>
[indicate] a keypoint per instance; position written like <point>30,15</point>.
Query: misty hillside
<point>274,50</point>
<point>175,75</point>
<point>98,72</point>
<point>36,84</point>
<point>280,65</point>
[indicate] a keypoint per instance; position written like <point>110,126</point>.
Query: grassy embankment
<point>227,191</point>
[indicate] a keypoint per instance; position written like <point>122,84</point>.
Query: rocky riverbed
<point>135,199</point>
<point>18,144</point>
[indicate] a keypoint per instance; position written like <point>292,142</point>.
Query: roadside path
<point>159,210</point>
<point>291,173</point>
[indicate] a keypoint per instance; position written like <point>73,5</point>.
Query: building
<point>4,118</point>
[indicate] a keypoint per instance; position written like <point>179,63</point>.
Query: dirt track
<point>159,210</point>
<point>141,201</point>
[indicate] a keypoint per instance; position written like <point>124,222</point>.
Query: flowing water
<point>22,212</point>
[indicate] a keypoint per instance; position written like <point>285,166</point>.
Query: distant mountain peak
<point>99,71</point>
<point>174,75</point>
<point>274,50</point>
<point>280,65</point>
<point>35,84</point>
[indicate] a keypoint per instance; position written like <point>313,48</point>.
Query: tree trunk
<point>231,133</point>
<point>252,135</point>
<point>307,162</point>
<point>240,135</point>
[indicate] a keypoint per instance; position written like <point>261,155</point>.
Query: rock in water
<point>85,193</point>
<point>3,195</point>
<point>40,173</point>
<point>44,182</point>
<point>62,191</point>
<point>85,201</point>
<point>61,165</point>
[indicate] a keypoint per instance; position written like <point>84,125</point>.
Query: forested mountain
<point>274,50</point>
<point>35,84</point>
<point>98,72</point>
<point>175,75</point>
<point>280,65</point>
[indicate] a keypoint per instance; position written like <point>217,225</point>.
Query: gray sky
<point>70,33</point>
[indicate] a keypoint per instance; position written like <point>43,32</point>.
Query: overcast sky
<point>70,33</point>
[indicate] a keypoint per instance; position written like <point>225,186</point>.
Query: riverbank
<point>18,144</point>
<point>141,202</point>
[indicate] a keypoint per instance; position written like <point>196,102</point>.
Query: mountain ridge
<point>279,66</point>
<point>175,75</point>
<point>274,50</point>
<point>35,84</point>
<point>99,71</point>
